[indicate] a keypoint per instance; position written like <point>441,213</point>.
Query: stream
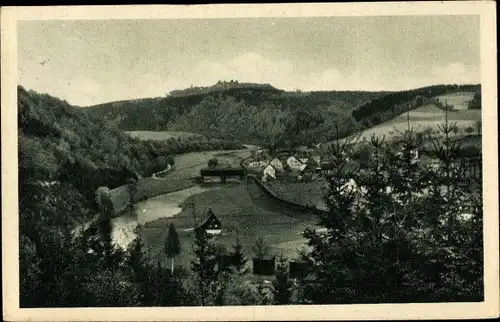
<point>162,206</point>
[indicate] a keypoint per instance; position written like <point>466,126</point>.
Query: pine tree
<point>397,235</point>
<point>260,248</point>
<point>238,259</point>
<point>282,286</point>
<point>138,265</point>
<point>204,266</point>
<point>172,245</point>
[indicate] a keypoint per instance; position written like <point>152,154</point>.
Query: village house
<point>308,173</point>
<point>210,223</point>
<point>277,164</point>
<point>269,173</point>
<point>257,164</point>
<point>304,159</point>
<point>294,164</point>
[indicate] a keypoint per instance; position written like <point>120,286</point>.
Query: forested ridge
<point>384,108</point>
<point>60,143</point>
<point>265,116</point>
<point>268,116</point>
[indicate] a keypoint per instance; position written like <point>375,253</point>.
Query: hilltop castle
<point>219,86</point>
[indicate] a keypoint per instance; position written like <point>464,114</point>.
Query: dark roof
<point>309,167</point>
<point>221,171</point>
<point>204,219</point>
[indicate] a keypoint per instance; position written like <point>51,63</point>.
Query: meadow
<point>188,165</point>
<point>422,118</point>
<point>458,100</point>
<point>244,211</point>
<point>303,193</point>
<point>161,135</point>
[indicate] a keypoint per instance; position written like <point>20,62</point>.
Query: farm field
<point>243,209</point>
<point>161,135</point>
<point>147,188</point>
<point>304,193</point>
<point>428,116</point>
<point>188,165</point>
<point>458,100</point>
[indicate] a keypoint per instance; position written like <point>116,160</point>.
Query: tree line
<point>257,115</point>
<point>388,106</point>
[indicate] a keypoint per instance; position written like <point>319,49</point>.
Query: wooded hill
<point>386,107</point>
<point>267,116</point>
<point>59,142</point>
<point>253,115</point>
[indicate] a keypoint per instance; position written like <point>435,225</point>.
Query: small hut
<point>210,223</point>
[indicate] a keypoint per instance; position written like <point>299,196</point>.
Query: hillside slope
<point>268,116</point>
<point>59,142</point>
<point>257,115</point>
<point>387,107</point>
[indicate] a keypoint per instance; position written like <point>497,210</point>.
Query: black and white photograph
<point>250,161</point>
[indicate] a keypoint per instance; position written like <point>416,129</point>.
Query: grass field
<point>428,116</point>
<point>161,136</point>
<point>304,193</point>
<point>147,188</point>
<point>244,210</point>
<point>458,100</point>
<point>189,164</point>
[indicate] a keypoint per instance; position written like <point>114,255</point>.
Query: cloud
<point>247,67</point>
<point>457,73</point>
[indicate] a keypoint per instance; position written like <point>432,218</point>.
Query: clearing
<point>161,136</point>
<point>427,116</point>
<point>303,193</point>
<point>459,100</point>
<point>188,165</point>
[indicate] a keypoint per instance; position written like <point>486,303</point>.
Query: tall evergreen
<point>172,245</point>
<point>204,266</point>
<point>282,286</point>
<point>399,233</point>
<point>238,259</point>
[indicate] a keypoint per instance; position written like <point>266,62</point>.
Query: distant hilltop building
<point>220,86</point>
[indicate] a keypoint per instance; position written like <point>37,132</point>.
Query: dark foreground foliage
<point>396,230</point>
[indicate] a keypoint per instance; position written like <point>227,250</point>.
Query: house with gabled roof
<point>269,173</point>
<point>294,164</point>
<point>210,223</point>
<point>277,164</point>
<point>304,159</point>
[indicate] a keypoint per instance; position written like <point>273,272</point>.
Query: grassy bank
<point>428,116</point>
<point>243,210</point>
<point>147,188</point>
<point>162,135</point>
<point>303,193</point>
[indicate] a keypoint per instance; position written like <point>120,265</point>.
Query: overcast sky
<point>91,62</point>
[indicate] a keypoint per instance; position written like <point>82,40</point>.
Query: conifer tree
<point>139,268</point>
<point>400,225</point>
<point>239,261</point>
<point>282,286</point>
<point>172,245</point>
<point>260,248</point>
<point>204,266</point>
